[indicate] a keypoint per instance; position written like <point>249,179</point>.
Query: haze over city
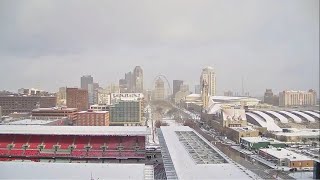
<point>271,44</point>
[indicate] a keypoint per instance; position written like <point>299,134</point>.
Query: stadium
<point>37,143</point>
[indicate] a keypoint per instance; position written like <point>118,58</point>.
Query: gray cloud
<point>272,44</point>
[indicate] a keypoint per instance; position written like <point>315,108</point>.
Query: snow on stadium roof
<point>75,130</point>
<point>195,158</point>
<point>40,170</point>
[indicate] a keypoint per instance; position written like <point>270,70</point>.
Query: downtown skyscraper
<point>138,79</point>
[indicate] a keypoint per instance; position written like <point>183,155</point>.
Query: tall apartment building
<point>208,76</point>
<point>176,86</point>
<point>138,79</point>
<point>85,81</point>
<point>297,98</point>
<point>159,92</point>
<point>93,93</point>
<point>127,113</point>
<point>19,104</point>
<point>129,81</point>
<point>0,112</point>
<point>77,98</point>
<point>92,118</point>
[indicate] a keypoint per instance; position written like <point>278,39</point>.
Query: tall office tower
<point>85,81</point>
<point>176,86</point>
<point>129,79</point>
<point>77,98</point>
<point>123,86</point>
<point>197,89</point>
<point>158,93</point>
<point>91,93</point>
<point>205,94</point>
<point>298,98</point>
<point>138,79</point>
<point>209,76</point>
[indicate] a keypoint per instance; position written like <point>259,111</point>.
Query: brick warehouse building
<point>17,103</point>
<point>77,98</point>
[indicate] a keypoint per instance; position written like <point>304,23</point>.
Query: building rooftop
<point>55,109</point>
<point>260,139</point>
<point>299,132</point>
<point>31,122</point>
<point>281,153</point>
<point>40,170</point>
<point>94,112</point>
<point>187,155</point>
<point>76,130</point>
<point>241,129</point>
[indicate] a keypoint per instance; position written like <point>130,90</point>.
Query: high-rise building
<point>159,92</point>
<point>129,80</point>
<point>123,86</point>
<point>209,76</point>
<point>176,86</point>
<point>77,98</point>
<point>138,79</point>
<point>197,89</point>
<point>93,93</point>
<point>85,81</point>
<point>297,98</point>
<point>21,104</point>
<point>127,113</point>
<point>0,112</point>
<point>270,98</point>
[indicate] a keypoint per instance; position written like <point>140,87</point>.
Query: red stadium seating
<point>96,142</point>
<point>76,153</point>
<point>81,141</point>
<point>95,154</point>
<point>20,140</point>
<point>113,142</point>
<point>65,142</point>
<point>128,142</point>
<point>31,153</point>
<point>4,152</point>
<point>5,140</point>
<point>16,152</point>
<point>50,141</point>
<point>34,141</point>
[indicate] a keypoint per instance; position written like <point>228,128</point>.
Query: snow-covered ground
<point>302,175</point>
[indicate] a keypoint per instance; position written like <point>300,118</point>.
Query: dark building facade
<point>77,98</point>
<point>85,81</point>
<point>16,103</point>
<point>270,98</point>
<point>176,86</point>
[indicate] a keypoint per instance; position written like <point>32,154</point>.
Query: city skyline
<point>277,40</point>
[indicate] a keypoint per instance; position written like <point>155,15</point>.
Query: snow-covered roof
<point>260,139</point>
<point>241,129</point>
<point>271,125</point>
<point>41,170</point>
<point>279,116</point>
<point>180,163</point>
<point>281,153</point>
<point>31,122</point>
<point>313,113</point>
<point>258,119</point>
<point>75,130</point>
<point>306,116</point>
<point>300,132</point>
<point>295,118</point>
<point>93,112</point>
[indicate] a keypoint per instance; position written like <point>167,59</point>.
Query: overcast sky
<point>271,44</point>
